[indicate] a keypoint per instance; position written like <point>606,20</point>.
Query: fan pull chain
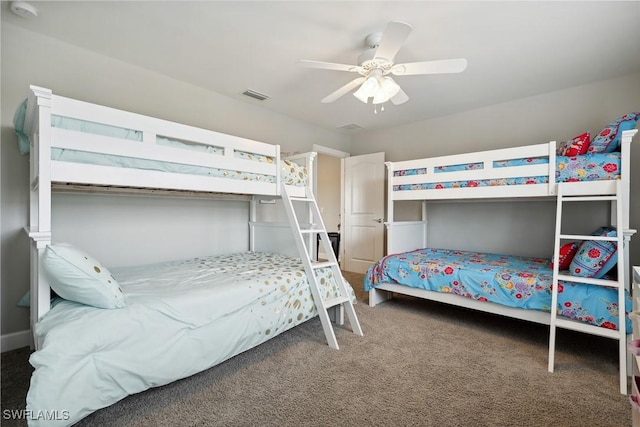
<point>375,108</point>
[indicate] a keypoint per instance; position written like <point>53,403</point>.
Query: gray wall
<point>121,230</point>
<point>328,192</point>
<point>524,228</point>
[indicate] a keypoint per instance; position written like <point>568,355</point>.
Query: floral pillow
<point>608,140</point>
<point>567,252</point>
<point>575,146</point>
<point>595,257</point>
<point>77,276</point>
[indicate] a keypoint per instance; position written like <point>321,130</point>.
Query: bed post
<point>38,128</point>
<point>552,169</point>
<point>625,175</point>
<point>625,181</point>
<point>390,203</point>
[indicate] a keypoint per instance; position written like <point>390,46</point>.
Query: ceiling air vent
<point>256,95</point>
<point>350,126</point>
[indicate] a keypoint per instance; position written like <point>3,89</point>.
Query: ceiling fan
<point>376,63</point>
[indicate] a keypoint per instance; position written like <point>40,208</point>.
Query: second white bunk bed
<point>517,287</point>
<point>113,332</point>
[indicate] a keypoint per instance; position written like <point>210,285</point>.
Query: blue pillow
<point>77,276</point>
<point>595,257</point>
<point>608,140</point>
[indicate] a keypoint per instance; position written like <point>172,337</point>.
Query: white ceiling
<point>514,49</point>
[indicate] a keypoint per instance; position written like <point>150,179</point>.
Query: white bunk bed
<point>411,266</point>
<point>75,145</point>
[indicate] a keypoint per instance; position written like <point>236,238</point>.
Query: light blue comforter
<point>180,318</point>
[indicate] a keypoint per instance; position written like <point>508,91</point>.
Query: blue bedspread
<point>512,281</point>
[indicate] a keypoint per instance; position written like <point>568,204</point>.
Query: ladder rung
<point>589,280</point>
<point>323,264</point>
<point>332,302</point>
<point>585,237</point>
<point>575,325</point>
<point>301,199</point>
<point>587,198</point>
<point>312,230</point>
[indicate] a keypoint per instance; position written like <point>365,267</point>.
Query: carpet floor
<point>419,363</point>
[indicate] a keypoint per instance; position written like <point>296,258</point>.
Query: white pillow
<point>77,276</point>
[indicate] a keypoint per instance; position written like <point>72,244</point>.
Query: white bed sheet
<point>181,317</point>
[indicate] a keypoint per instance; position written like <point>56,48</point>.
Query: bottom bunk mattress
<point>513,281</point>
<point>180,318</point>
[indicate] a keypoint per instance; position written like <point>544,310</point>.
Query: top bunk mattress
<point>587,167</point>
<point>291,173</point>
<point>583,165</point>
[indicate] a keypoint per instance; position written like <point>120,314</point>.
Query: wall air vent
<point>350,126</point>
<point>256,95</point>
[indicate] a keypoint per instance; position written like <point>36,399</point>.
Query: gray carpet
<point>420,363</point>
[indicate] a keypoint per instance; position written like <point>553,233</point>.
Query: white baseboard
<point>15,340</point>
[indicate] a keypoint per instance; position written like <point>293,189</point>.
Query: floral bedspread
<point>588,167</point>
<point>513,281</point>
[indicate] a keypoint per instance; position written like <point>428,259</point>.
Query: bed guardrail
<point>413,175</point>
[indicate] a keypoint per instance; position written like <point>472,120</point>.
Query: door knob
<point>379,220</point>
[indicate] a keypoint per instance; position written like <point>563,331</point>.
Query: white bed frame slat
<point>466,193</point>
<point>73,108</point>
<point>537,150</point>
<point>477,174</point>
<point>80,173</point>
<point>99,144</point>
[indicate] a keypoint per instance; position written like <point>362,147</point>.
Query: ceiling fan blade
<point>444,66</point>
<point>395,33</point>
<point>399,98</point>
<point>343,90</point>
<point>329,65</point>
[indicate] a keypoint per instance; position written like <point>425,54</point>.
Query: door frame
<point>328,151</point>
<point>320,149</point>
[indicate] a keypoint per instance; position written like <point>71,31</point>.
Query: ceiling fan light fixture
<point>362,97</point>
<point>381,89</point>
<point>371,86</point>
<point>388,89</point>
<point>368,89</point>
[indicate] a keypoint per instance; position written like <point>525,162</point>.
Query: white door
<point>363,229</point>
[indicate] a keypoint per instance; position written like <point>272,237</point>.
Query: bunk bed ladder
<point>557,321</point>
<point>316,228</point>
